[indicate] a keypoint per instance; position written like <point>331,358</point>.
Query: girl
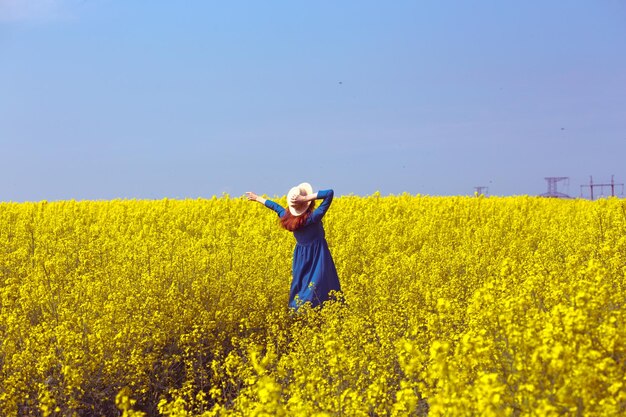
<point>314,274</point>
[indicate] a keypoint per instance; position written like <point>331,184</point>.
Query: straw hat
<point>302,189</point>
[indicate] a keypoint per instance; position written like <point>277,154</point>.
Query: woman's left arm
<point>267,203</point>
<point>253,197</point>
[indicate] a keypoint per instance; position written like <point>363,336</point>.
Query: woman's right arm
<point>318,213</point>
<point>267,203</point>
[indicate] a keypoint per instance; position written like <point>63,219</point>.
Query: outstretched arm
<point>267,203</point>
<point>253,197</point>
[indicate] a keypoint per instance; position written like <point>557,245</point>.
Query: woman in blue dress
<point>314,275</point>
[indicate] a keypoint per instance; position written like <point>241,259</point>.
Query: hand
<point>251,196</point>
<point>298,199</point>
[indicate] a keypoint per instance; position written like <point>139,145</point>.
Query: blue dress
<point>314,274</point>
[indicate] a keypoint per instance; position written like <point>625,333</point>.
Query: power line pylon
<point>481,190</point>
<point>552,187</point>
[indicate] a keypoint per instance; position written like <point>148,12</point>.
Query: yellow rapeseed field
<point>452,306</point>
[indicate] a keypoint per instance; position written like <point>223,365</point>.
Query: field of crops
<point>451,306</point>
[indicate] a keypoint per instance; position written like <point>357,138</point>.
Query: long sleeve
<point>276,207</point>
<point>319,212</point>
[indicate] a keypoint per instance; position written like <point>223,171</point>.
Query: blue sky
<point>103,99</point>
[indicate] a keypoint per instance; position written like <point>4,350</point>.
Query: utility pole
<point>610,185</point>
